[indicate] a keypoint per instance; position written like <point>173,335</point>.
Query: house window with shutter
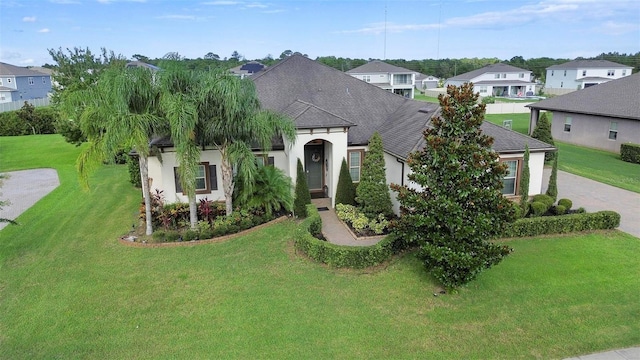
<point>265,160</point>
<point>206,179</point>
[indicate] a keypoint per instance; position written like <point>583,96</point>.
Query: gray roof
<point>377,66</point>
<point>616,98</point>
<point>12,70</point>
<point>423,77</point>
<point>509,141</point>
<point>493,68</point>
<point>587,64</point>
<point>309,116</point>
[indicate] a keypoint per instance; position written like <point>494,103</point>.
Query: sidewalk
<point>334,230</point>
<point>622,354</point>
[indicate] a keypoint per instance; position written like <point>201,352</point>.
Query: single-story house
<point>602,116</point>
<point>392,78</point>
<point>336,115</point>
<point>248,69</point>
<point>580,74</point>
<point>497,80</point>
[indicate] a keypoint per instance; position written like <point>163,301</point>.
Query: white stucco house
<point>497,80</point>
<point>335,116</point>
<point>393,78</point>
<point>580,74</point>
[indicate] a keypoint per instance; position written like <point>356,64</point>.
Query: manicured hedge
<point>630,153</point>
<point>342,256</point>
<point>601,220</point>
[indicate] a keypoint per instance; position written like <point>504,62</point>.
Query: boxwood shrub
<point>602,220</point>
<point>338,255</point>
<point>630,152</point>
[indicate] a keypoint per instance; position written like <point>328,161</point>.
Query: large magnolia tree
<point>459,207</point>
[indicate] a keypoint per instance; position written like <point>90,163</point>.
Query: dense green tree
<point>552,189</point>
<point>372,194</point>
<point>459,207</point>
<point>271,191</point>
<point>542,132</point>
<point>303,197</point>
<point>524,182</point>
<point>346,191</point>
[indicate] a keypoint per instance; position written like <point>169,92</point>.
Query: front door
<point>313,160</point>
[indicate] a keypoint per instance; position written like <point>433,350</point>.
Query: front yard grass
<point>68,289</point>
<point>422,97</point>
<point>520,122</point>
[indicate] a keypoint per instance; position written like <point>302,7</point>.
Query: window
<point>30,80</point>
<point>509,180</point>
<point>521,75</point>
<point>613,130</point>
<point>504,76</point>
<point>44,80</point>
<point>552,71</point>
<point>565,73</point>
<point>2,97</point>
<point>624,72</point>
<point>497,76</point>
<point>402,79</point>
<point>355,162</point>
<point>366,78</point>
<point>482,89</point>
<point>0,81</point>
<point>561,84</point>
<point>567,124</point>
<point>8,80</point>
<point>260,159</point>
<point>584,72</point>
<point>206,179</point>
<point>611,72</point>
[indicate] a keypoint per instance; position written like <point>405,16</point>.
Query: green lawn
<point>520,122</point>
<point>421,97</point>
<point>69,290</point>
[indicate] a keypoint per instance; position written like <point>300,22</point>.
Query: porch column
<point>533,119</point>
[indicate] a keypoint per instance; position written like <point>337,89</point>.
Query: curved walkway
<point>24,188</point>
<point>334,230</point>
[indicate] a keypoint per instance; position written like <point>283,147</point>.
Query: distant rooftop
<point>377,66</point>
<point>587,64</point>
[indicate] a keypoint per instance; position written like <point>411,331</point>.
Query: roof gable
<point>588,64</point>
<point>12,70</point>
<point>615,98</point>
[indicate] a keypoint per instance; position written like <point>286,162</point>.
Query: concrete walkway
<point>622,354</point>
<point>595,196</point>
<point>24,188</point>
<point>334,230</point>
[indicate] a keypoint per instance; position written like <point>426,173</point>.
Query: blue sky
<point>414,29</point>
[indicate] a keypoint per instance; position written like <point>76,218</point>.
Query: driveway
<point>595,196</point>
<point>24,188</point>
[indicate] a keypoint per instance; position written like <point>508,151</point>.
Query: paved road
<point>595,196</point>
<point>621,354</point>
<point>24,188</point>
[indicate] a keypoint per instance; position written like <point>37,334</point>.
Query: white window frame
<point>567,124</point>
<point>510,176</point>
<point>366,78</point>
<point>624,72</point>
<point>44,80</point>
<point>521,75</point>
<point>30,80</point>
<point>1,82</point>
<point>357,168</point>
<point>8,80</point>
<point>611,72</point>
<point>565,73</point>
<point>584,72</point>
<point>504,76</point>
<point>482,89</point>
<point>497,76</point>
<point>552,72</point>
<point>613,130</point>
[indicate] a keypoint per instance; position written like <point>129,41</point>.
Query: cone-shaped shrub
<point>542,132</point>
<point>303,197</point>
<point>524,181</point>
<point>372,193</point>
<point>346,191</point>
<point>552,189</point>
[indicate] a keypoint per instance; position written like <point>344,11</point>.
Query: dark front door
<point>313,160</point>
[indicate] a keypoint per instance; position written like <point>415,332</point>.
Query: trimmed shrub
<point>630,153</point>
<point>545,199</point>
<point>602,220</point>
<point>566,203</point>
<point>133,166</point>
<point>303,197</point>
<point>538,208</point>
<point>190,235</point>
<point>559,210</point>
<point>542,132</point>
<point>552,189</point>
<point>372,194</point>
<point>524,180</point>
<point>489,100</point>
<point>12,125</point>
<point>346,191</point>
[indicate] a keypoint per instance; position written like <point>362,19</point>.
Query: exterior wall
<point>36,90</point>
<point>536,167</point>
<point>556,79</point>
<point>491,76</point>
<point>593,131</point>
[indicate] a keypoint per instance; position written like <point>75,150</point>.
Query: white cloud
<point>65,2</point>
<point>222,2</point>
<point>44,30</point>
<point>9,55</point>
<point>273,11</point>
<point>107,2</point>
<point>27,61</point>
<point>29,19</point>
<point>177,17</point>
<point>256,5</point>
<point>616,28</point>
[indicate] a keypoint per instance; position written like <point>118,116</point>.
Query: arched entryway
<point>317,165</point>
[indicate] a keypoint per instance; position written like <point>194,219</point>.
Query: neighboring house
<point>20,83</point>
<point>580,74</point>
<point>425,82</point>
<point>247,69</point>
<point>335,116</point>
<point>392,78</point>
<point>602,116</point>
<point>497,80</point>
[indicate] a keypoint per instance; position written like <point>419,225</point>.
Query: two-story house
<point>497,80</point>
<point>20,83</point>
<point>580,74</point>
<point>393,78</point>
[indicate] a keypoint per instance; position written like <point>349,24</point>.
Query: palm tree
<point>179,90</point>
<point>233,122</point>
<point>121,112</point>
